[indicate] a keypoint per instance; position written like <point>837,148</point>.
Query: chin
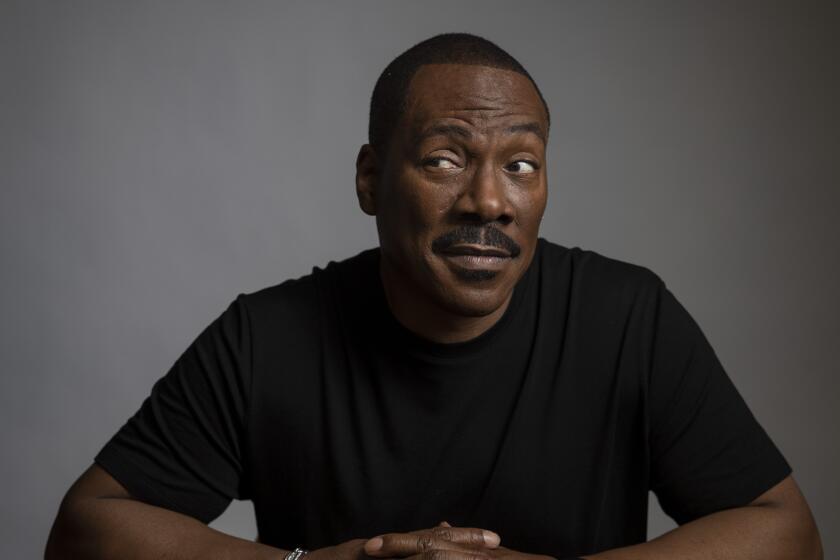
<point>469,293</point>
<point>469,301</point>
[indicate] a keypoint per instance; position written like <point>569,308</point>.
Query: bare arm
<point>98,519</point>
<point>777,525</point>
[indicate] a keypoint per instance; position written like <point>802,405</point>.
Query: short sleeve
<point>707,451</point>
<point>183,449</point>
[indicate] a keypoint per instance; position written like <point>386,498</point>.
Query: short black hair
<point>387,103</point>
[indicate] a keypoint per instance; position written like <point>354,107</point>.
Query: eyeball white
<point>522,166</point>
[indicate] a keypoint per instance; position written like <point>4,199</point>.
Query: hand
<point>442,535</point>
<point>427,547</point>
<point>439,543</point>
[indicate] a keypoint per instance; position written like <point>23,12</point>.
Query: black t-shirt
<point>309,398</point>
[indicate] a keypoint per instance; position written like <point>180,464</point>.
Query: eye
<point>522,166</point>
<point>440,163</point>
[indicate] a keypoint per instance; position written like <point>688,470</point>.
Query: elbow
<point>806,533</point>
<point>800,536</point>
<point>793,524</point>
<point>66,532</point>
<point>797,534</point>
<point>812,542</point>
<point>54,549</point>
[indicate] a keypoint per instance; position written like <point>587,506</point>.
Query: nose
<point>484,198</point>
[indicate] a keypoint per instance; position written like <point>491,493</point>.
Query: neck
<point>415,311</point>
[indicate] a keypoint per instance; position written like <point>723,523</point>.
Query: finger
<point>403,544</point>
<point>467,536</point>
<point>444,524</point>
<point>438,538</point>
<point>438,554</point>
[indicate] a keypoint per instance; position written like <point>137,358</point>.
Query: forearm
<point>764,532</point>
<point>100,528</point>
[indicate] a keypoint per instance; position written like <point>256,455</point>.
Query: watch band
<point>296,554</point>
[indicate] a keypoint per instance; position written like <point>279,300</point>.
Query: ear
<point>367,173</point>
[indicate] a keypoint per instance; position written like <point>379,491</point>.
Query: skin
<point>468,156</point>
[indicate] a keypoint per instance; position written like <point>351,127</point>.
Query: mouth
<point>475,250</point>
<point>476,257</point>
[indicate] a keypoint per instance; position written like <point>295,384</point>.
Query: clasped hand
<point>443,542</point>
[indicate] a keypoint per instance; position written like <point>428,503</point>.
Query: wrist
<point>296,554</point>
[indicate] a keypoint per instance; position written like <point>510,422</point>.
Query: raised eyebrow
<point>532,127</point>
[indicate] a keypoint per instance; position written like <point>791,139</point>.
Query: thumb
<point>444,524</point>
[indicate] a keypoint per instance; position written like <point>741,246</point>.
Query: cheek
<point>530,206</point>
<point>539,204</point>
<point>423,205</point>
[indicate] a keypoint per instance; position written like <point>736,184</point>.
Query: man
<point>465,383</point>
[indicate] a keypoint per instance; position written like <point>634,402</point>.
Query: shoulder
<point>591,273</point>
<point>303,297</point>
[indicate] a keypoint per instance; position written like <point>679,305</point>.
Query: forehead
<point>472,93</point>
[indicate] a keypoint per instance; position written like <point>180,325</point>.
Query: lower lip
<point>475,262</point>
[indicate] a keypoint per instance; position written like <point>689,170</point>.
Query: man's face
<point>462,189</point>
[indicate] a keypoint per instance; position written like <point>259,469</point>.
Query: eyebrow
<point>455,130</point>
<point>532,127</point>
<point>445,130</point>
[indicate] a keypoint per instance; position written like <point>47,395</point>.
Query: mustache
<point>477,235</point>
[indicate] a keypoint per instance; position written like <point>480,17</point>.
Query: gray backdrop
<point>158,158</point>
